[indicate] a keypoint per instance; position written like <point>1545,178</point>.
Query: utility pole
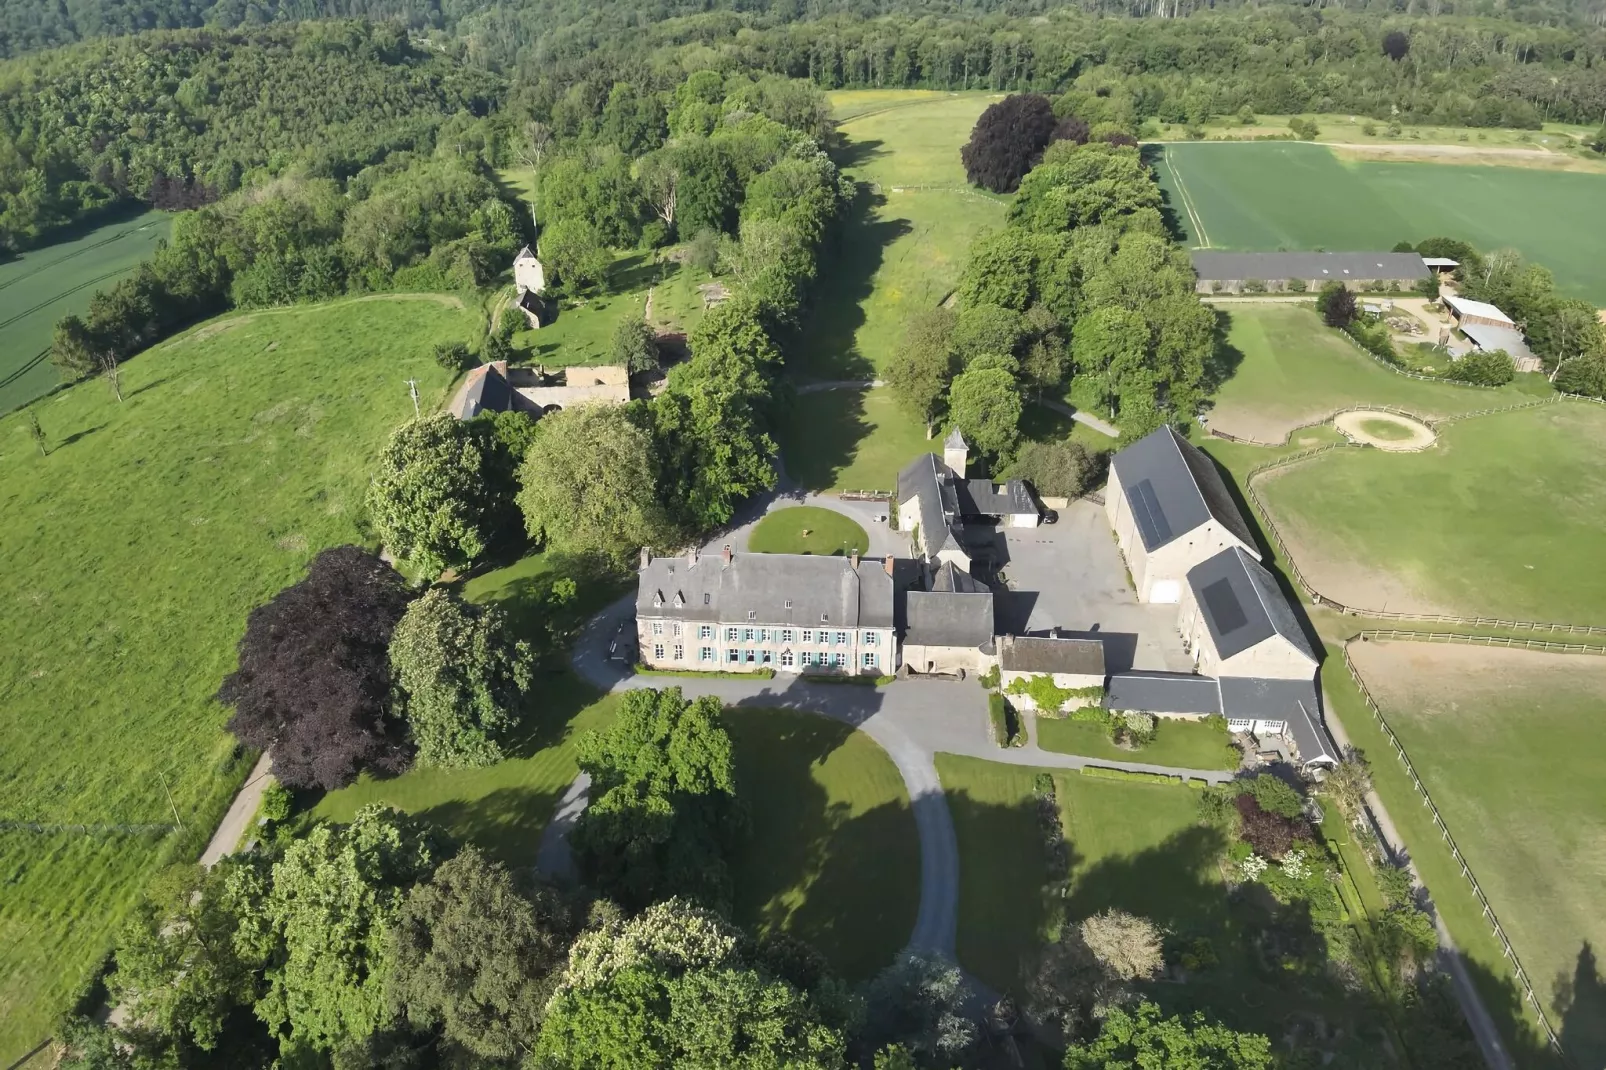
<point>412,385</point>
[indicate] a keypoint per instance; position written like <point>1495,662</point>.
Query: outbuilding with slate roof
<point>949,625</point>
<point>1170,509</point>
<point>1236,622</point>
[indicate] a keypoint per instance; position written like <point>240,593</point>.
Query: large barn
<point>1234,272</point>
<point>1170,510</point>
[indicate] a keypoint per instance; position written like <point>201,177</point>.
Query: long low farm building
<point>1281,272</point>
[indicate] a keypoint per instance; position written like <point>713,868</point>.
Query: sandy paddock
<point>1352,425</point>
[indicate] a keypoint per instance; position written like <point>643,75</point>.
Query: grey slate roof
<point>1021,653</point>
<point>1213,266</point>
<point>486,391</point>
<point>1162,692</point>
<point>1173,488</point>
<point>1241,604</point>
<point>799,589</point>
<point>924,479</point>
<point>524,252</point>
<point>948,577</point>
<point>1292,701</point>
<point>983,497</point>
<point>949,618</point>
<point>955,441</point>
<point>1488,338</point>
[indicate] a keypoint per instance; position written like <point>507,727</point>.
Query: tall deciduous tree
<point>462,679</point>
<point>635,347</point>
<point>477,957</point>
<point>1337,304</point>
<point>589,483</point>
<point>1126,945</point>
<point>1144,1038</point>
<point>1058,469</point>
<point>429,499</point>
<point>314,673</point>
<point>920,370</point>
<point>986,405</point>
<point>917,1003</point>
<point>1007,140</point>
<point>663,813</point>
<point>317,924</point>
<point>673,987</point>
<point>574,248</point>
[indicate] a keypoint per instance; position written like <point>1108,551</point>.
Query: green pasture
<point>1561,139</point>
<point>1137,847</point>
<point>1177,743</point>
<point>849,439</point>
<point>833,856</point>
<point>1501,518</point>
<point>805,529</point>
<point>132,554</point>
<point>39,287</point>
<point>1289,195</point>
<point>1288,369</point>
<point>1508,743</point>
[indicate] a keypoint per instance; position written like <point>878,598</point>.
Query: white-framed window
<point>786,635</point>
<point>750,657</point>
<point>657,627</point>
<point>839,659</point>
<point>680,652</point>
<point>706,654</point>
<point>1238,724</point>
<point>808,635</point>
<point>733,655</point>
<point>732,634</point>
<point>765,656</point>
<point>869,638</point>
<point>763,635</point>
<point>677,629</point>
<point>747,635</point>
<point>658,652</point>
<point>705,631</point>
<point>808,657</point>
<point>842,638</point>
<point>786,659</point>
<point>869,661</point>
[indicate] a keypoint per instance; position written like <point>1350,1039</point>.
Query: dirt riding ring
<point>1385,430</point>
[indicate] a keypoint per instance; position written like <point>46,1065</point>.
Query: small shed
<point>1073,664</point>
<point>1464,312</point>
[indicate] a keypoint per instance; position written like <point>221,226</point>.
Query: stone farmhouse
<point>1073,664</point>
<point>748,612</point>
<point>936,502</point>
<point>948,622</point>
<point>1230,272</point>
<point>529,280</point>
<point>1170,510</point>
<point>495,387</point>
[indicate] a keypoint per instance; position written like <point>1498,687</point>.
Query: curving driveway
<point>912,720</point>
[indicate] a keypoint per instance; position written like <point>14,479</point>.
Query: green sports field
<point>1501,518</point>
<point>43,285</point>
<point>129,558</point>
<point>1509,745</point>
<point>1287,195</point>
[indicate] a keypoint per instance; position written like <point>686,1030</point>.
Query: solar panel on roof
<point>1156,529</point>
<point>1222,602</point>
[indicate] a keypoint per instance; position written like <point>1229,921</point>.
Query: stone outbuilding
<point>936,502</point>
<point>1170,510</point>
<point>1073,664</point>
<point>495,387</point>
<point>1235,621</point>
<point>948,627</point>
<point>1220,272</point>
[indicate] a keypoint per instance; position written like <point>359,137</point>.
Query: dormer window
<point>679,601</point>
<point>788,603</point>
<point>657,599</point>
<point>706,598</point>
<point>825,618</point>
<point>752,614</point>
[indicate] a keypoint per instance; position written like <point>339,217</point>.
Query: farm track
<point>25,313</point>
<point>119,236</point>
<point>28,366</point>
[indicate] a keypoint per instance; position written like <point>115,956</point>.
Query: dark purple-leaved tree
<point>1071,129</point>
<point>1396,45</point>
<point>1007,140</point>
<point>314,674</point>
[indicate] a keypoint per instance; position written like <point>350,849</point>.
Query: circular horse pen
<point>1385,430</point>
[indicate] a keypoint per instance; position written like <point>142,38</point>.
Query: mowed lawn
<point>1509,744</point>
<point>833,857</point>
<point>1178,743</point>
<point>43,285</point>
<point>850,439</point>
<point>1501,518</point>
<point>1287,195</point>
<point>1290,369</point>
<point>129,559</point>
<point>805,529</point>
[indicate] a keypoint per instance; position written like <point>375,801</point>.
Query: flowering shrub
<point>1295,868</point>
<point>1252,867</point>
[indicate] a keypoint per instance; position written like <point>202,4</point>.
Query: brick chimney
<point>646,557</point>
<point>727,553</point>
<point>691,557</point>
<point>889,564</point>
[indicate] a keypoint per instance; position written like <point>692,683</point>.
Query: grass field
<point>1182,744</point>
<point>804,529</point>
<point>1563,140</point>
<point>1501,518</point>
<point>833,857</point>
<point>1288,195</point>
<point>858,439</point>
<point>43,285</point>
<point>1289,369</point>
<point>1508,743</point>
<point>1137,847</point>
<point>129,558</point>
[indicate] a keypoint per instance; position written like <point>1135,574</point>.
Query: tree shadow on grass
<point>847,884</point>
<point>506,823</point>
<point>1579,1004</point>
<point>827,347</point>
<point>821,434</point>
<point>851,153</point>
<point>640,271</point>
<point>1224,358</point>
<point>1169,213</point>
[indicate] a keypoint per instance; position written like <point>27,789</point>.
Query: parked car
<point>1050,516</point>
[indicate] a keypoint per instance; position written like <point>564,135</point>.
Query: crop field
<point>1509,745</point>
<point>1287,195</point>
<point>129,558</point>
<point>1289,369</point>
<point>1501,518</point>
<point>43,285</point>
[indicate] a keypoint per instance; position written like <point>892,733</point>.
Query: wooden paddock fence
<point>1438,819</point>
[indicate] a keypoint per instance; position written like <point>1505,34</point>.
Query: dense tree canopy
<point>1007,141</point>
<point>313,681</point>
<point>429,499</point>
<point>1144,1038</point>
